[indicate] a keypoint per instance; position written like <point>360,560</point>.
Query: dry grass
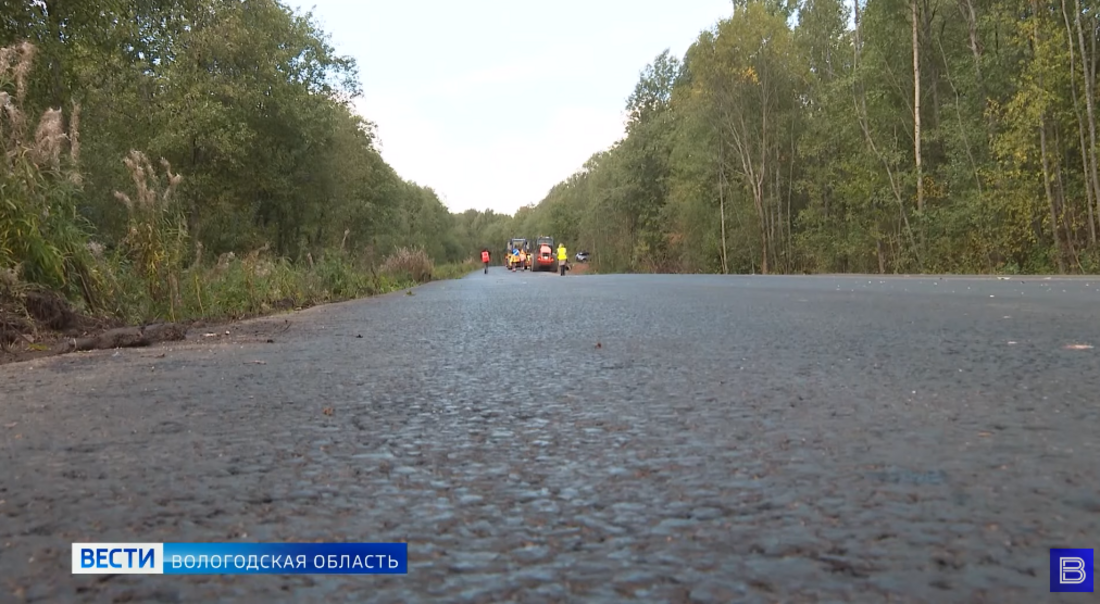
<point>409,263</point>
<point>157,235</point>
<point>15,65</point>
<point>49,139</point>
<point>40,229</point>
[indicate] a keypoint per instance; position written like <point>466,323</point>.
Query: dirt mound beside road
<point>37,322</point>
<point>30,316</point>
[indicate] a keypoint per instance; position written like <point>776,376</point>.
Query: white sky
<point>492,102</point>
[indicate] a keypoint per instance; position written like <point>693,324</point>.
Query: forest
<point>203,158</point>
<point>170,159</point>
<point>866,136</point>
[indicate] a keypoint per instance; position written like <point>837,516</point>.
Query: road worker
<point>485,259</point>
<point>563,257</point>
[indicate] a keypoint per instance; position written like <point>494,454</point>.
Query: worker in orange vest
<point>485,259</point>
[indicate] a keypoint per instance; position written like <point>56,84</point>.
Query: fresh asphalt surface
<point>536,438</point>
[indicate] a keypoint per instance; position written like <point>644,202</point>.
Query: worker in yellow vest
<point>563,257</point>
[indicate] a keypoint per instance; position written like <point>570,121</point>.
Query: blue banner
<point>285,558</point>
<point>240,558</point>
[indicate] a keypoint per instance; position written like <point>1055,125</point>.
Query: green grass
<point>454,270</point>
<point>238,288</point>
<point>249,287</point>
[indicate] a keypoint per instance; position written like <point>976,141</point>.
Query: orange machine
<point>544,257</point>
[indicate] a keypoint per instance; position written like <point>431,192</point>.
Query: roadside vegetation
<point>196,159</point>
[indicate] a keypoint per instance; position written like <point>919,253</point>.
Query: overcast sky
<point>492,102</point>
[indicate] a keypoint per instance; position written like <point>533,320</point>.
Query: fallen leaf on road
<point>327,410</point>
<point>1078,346</point>
<point>1011,343</point>
<point>209,335</point>
<point>984,434</point>
<point>11,425</point>
<point>258,362</point>
<point>359,336</point>
<point>598,345</point>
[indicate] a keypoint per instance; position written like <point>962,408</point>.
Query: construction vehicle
<point>544,259</point>
<point>518,254</point>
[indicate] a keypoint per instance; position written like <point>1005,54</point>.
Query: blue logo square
<point>1071,570</point>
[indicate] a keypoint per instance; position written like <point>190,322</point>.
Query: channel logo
<point>1071,570</point>
<point>118,558</point>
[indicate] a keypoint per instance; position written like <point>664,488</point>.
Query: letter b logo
<point>1071,570</point>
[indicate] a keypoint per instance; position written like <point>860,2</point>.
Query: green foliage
<point>455,270</point>
<point>41,236</point>
<point>787,145</point>
<point>214,129</point>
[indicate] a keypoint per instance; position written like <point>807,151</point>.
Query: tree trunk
<point>790,192</point>
<point>971,17</point>
<point>1090,102</point>
<point>777,218</point>
<point>1085,166</point>
<point>763,167</point>
<point>1050,195</point>
<point>855,13</point>
<point>722,205</point>
<point>1044,158</point>
<point>967,9</point>
<point>928,15</point>
<point>1066,216</point>
<point>916,106</point>
<point>1092,74</point>
<point>763,243</point>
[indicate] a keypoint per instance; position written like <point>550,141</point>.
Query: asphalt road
<point>537,438</point>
